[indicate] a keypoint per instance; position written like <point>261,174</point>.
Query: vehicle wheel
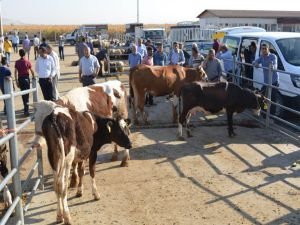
<point>276,110</point>
<point>72,42</point>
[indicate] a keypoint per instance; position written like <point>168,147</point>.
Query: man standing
<point>56,76</point>
<point>226,56</point>
<point>176,55</point>
<point>141,48</point>
<point>102,59</point>
<point>45,68</point>
<point>61,45</point>
<point>15,42</point>
<point>134,58</point>
<point>88,68</point>
<point>7,49</point>
<point>212,66</point>
<point>36,44</point>
<point>265,60</point>
<point>160,57</point>
<point>80,47</point>
<point>4,74</point>
<point>22,68</point>
<point>26,45</point>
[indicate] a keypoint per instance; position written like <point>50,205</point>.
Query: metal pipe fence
<point>17,161</point>
<point>238,78</point>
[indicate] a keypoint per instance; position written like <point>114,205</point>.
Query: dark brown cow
<point>71,136</point>
<point>212,98</point>
<point>160,81</point>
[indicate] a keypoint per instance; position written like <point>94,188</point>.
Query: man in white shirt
<point>15,42</point>
<point>141,48</point>
<point>36,44</point>
<point>55,78</point>
<point>88,68</point>
<point>45,68</point>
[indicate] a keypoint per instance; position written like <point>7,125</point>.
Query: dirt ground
<point>209,179</point>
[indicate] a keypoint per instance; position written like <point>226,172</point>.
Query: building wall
<point>268,24</point>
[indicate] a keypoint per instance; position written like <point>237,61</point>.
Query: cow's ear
<point>116,93</point>
<point>109,125</point>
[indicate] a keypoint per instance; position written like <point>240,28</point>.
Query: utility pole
<point>138,11</point>
<point>1,25</point>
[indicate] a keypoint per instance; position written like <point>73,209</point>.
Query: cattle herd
<point>77,125</point>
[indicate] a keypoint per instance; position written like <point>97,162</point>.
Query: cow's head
<point>119,132</point>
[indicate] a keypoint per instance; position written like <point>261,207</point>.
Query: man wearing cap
<point>88,68</point>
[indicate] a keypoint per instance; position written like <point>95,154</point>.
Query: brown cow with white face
<point>160,81</point>
<point>73,136</point>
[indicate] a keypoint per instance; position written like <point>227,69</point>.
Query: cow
<point>108,99</point>
<point>4,170</point>
<point>214,97</point>
<point>71,136</point>
<point>160,81</point>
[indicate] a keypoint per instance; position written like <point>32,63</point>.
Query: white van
<point>220,34</point>
<point>286,46</point>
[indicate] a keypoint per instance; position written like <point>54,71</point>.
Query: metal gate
<point>17,161</point>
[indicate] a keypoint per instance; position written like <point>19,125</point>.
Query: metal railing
<point>238,79</point>
<point>17,161</point>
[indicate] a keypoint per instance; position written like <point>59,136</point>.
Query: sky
<point>65,12</point>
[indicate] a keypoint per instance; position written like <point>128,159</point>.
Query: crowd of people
<point>47,66</point>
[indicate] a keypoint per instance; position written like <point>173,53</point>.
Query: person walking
<point>61,45</point>
<point>45,68</point>
<point>56,76</point>
<point>22,68</point>
<point>36,45</point>
<point>15,42</point>
<point>4,74</point>
<point>27,45</point>
<point>88,68</point>
<point>7,49</point>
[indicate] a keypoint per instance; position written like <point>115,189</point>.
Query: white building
<point>269,20</point>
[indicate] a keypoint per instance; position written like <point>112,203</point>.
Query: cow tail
<point>61,148</point>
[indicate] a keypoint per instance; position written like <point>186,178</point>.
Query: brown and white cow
<point>71,136</point>
<point>214,97</point>
<point>108,99</point>
<point>160,81</point>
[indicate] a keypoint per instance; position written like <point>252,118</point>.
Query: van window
<point>232,43</point>
<point>273,50</point>
<point>290,49</point>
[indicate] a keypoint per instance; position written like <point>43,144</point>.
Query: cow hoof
<point>114,158</point>
<point>96,197</point>
<point>79,194</point>
<point>59,219</point>
<point>124,164</point>
<point>180,138</point>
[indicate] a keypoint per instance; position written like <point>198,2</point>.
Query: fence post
<point>39,150</point>
<point>13,145</point>
<point>234,77</point>
<point>269,91</point>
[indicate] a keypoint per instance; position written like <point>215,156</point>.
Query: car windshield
<point>290,48</point>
